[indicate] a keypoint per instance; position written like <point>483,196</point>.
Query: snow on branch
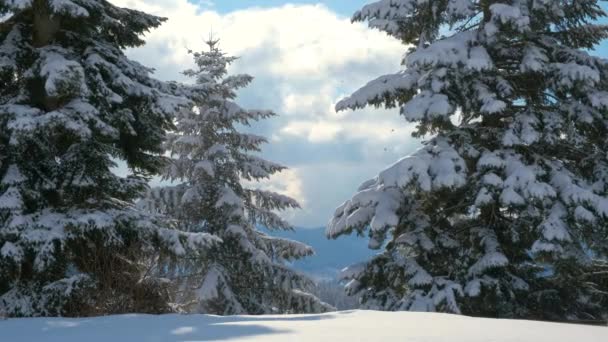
<point>435,166</point>
<point>384,88</point>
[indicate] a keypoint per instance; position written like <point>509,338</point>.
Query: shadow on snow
<point>145,328</point>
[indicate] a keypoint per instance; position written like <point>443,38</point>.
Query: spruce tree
<point>216,164</point>
<point>504,210</point>
<point>71,105</point>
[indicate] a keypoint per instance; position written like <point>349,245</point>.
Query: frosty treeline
<point>504,211</point>
<point>72,241</point>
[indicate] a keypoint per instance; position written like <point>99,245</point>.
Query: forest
<point>500,212</point>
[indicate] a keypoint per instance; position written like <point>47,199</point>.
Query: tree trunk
<point>46,25</point>
<point>45,28</point>
<point>485,6</point>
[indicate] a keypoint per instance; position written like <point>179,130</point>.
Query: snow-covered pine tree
<point>71,104</point>
<point>504,211</point>
<point>215,164</point>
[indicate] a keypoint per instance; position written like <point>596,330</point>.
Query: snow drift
<point>338,326</point>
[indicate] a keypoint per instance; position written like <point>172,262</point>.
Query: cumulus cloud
<point>304,58</point>
<point>378,131</point>
<point>290,183</point>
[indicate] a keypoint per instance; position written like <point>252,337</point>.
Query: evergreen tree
<point>214,163</point>
<point>504,211</point>
<point>71,104</point>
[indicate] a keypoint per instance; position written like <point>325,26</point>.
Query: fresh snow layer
<point>338,326</point>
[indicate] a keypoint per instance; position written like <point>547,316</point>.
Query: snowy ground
<point>348,326</point>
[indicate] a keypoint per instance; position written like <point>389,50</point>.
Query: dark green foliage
<point>504,211</point>
<point>71,106</point>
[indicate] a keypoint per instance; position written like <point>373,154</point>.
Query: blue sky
<point>344,7</point>
<point>305,55</point>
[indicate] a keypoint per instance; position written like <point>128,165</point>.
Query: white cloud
<point>319,131</point>
<point>304,58</point>
<point>304,104</point>
<point>307,40</point>
<point>288,183</point>
<point>324,130</point>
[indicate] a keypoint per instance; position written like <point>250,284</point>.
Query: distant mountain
<point>330,255</point>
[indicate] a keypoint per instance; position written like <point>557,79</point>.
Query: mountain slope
<point>330,255</point>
